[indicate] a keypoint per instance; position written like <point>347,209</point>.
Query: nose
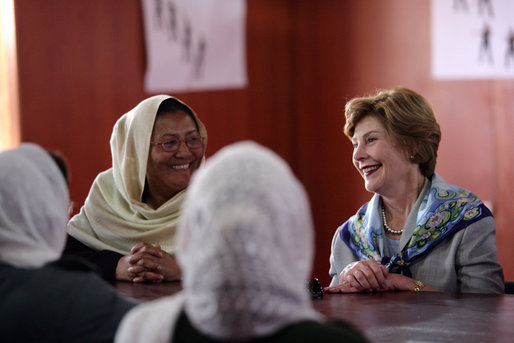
<point>359,153</point>
<point>183,150</point>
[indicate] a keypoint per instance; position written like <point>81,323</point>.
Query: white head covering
<point>33,207</point>
<point>113,216</point>
<point>245,245</point>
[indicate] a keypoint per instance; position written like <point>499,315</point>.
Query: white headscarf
<point>113,216</point>
<point>33,207</point>
<point>245,245</point>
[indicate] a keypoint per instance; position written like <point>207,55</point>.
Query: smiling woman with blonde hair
<point>417,233</point>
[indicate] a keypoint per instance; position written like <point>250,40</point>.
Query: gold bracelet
<point>418,286</point>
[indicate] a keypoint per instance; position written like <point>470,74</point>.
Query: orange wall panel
<point>81,66</point>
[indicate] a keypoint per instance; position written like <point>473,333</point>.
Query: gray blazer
<point>466,262</point>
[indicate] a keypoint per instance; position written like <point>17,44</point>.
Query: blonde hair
<point>408,118</point>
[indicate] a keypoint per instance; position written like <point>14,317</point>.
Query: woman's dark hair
<point>172,105</point>
<point>61,163</point>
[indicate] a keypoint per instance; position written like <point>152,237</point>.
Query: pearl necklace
<point>388,229</point>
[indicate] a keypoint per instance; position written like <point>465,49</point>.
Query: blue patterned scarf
<point>445,210</point>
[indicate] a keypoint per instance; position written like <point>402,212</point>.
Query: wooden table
<point>398,316</point>
<point>425,316</point>
<point>146,291</point>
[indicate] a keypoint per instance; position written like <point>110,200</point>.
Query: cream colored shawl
<point>113,216</point>
<point>245,245</point>
<point>33,207</point>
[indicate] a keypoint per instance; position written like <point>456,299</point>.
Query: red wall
<point>81,66</point>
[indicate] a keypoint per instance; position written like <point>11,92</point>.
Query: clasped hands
<point>370,276</point>
<point>147,263</point>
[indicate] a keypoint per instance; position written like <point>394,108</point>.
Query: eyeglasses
<point>193,141</point>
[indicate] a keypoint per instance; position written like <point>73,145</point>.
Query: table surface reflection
<point>397,316</point>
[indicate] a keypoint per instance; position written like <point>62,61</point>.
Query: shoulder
<point>76,298</point>
<point>313,331</point>
<point>302,332</point>
<point>104,182</point>
<point>59,271</point>
<point>152,321</point>
<point>479,232</point>
<point>76,282</point>
<point>72,263</point>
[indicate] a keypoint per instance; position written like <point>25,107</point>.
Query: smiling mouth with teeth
<point>368,170</point>
<point>183,166</point>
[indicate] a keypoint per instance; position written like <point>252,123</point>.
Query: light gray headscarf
<point>33,207</point>
<point>245,245</point>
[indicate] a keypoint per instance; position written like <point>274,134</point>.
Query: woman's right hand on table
<point>367,275</point>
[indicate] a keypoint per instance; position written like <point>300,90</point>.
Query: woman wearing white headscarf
<point>45,299</point>
<point>127,224</point>
<point>245,245</point>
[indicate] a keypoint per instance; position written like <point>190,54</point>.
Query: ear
<point>411,155</point>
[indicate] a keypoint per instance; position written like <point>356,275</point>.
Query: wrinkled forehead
<point>177,123</point>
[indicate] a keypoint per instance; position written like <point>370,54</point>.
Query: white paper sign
<point>472,39</point>
<point>194,44</point>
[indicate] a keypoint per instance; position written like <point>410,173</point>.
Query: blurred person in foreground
<point>46,298</point>
<point>245,245</point>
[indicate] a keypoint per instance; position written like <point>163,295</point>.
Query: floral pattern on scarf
<point>445,210</point>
